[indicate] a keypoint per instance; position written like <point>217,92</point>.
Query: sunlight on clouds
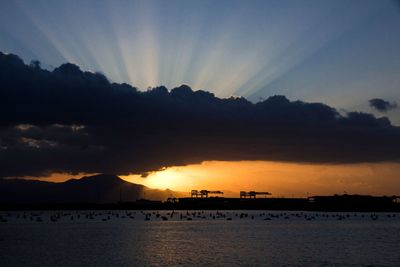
<point>282,179</point>
<point>165,179</point>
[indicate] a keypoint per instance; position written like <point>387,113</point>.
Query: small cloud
<point>382,105</point>
<point>144,174</point>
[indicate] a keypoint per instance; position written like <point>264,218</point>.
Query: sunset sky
<point>333,129</point>
<point>281,179</point>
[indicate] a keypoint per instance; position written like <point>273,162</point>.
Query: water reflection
<point>124,241</point>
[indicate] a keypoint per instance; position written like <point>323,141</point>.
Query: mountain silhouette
<point>102,188</point>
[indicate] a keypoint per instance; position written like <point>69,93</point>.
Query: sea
<point>198,238</point>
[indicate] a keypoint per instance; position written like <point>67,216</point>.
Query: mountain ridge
<point>99,188</point>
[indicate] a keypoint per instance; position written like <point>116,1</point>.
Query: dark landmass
<point>99,189</point>
<point>316,203</point>
<point>111,192</point>
<point>353,203</point>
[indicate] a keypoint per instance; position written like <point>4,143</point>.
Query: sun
<point>174,178</point>
<point>168,178</point>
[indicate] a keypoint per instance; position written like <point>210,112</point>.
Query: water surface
<point>125,238</point>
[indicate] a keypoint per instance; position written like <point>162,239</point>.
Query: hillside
<point>102,188</point>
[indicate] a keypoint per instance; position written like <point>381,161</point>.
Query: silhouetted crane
<point>252,194</point>
<point>204,193</point>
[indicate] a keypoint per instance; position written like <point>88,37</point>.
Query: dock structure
<point>204,193</point>
<point>252,194</point>
<point>172,200</point>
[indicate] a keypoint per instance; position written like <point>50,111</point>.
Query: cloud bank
<point>68,120</point>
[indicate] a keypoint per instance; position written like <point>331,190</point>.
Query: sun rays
<point>227,47</point>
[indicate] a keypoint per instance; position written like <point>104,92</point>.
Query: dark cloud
<point>382,105</point>
<point>68,120</point>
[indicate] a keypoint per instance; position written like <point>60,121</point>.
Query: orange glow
<point>282,179</point>
<point>59,177</point>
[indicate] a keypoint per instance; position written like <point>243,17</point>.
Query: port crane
<point>252,194</point>
<point>204,193</point>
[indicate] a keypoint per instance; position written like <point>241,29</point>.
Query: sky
<point>338,52</point>
<point>281,179</point>
<point>343,54</point>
